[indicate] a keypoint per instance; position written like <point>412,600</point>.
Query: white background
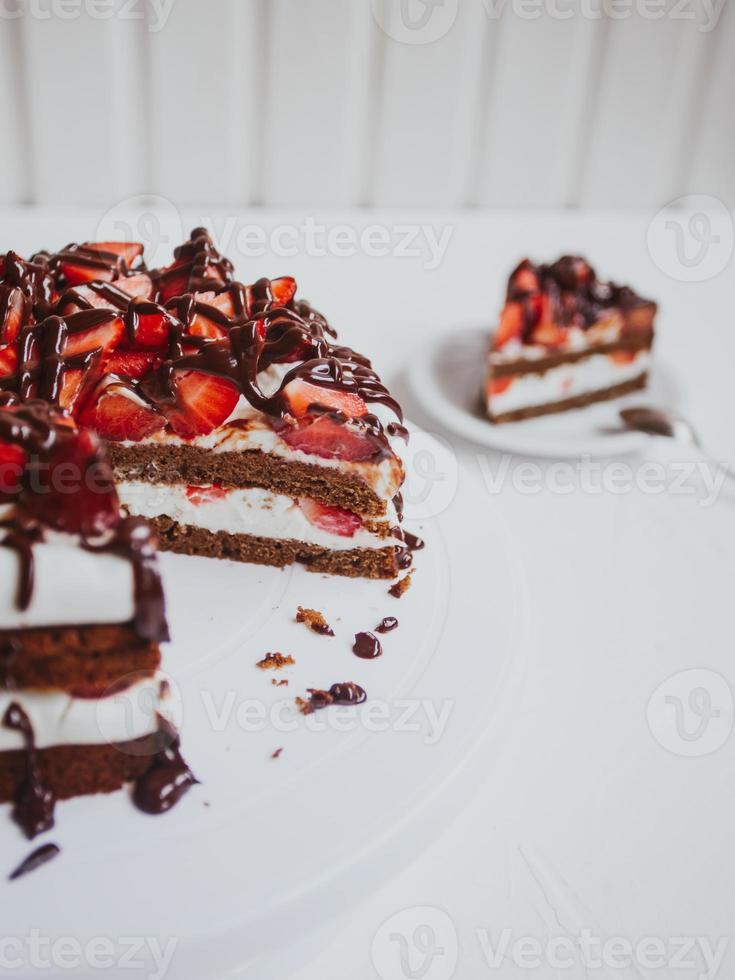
<point>310,102</point>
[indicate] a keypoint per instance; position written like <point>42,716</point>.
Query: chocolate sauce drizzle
<point>346,692</point>
<point>33,808</point>
<point>35,859</point>
<point>262,330</point>
<point>44,435</point>
<point>576,296</point>
<point>367,646</point>
<point>163,784</point>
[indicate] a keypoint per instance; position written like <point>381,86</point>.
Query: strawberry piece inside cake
<point>237,425</point>
<point>565,340</point>
<point>82,700</point>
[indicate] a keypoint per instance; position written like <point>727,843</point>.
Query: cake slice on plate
<point>82,702</point>
<point>565,340</point>
<point>236,423</point>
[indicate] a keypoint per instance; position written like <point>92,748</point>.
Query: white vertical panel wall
<point>427,113</point>
<point>315,102</point>
<point>540,94</point>
<point>320,74</point>
<point>205,78</point>
<point>713,136</point>
<point>649,83</point>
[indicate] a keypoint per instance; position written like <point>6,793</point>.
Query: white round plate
<point>266,849</point>
<point>447,382</point>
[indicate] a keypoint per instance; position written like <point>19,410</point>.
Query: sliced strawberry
<point>547,331</point>
<point>78,274</point>
<point>283,289</point>
<point>73,492</point>
<point>72,385</point>
<point>173,280</point>
<point>12,464</point>
<point>511,324</point>
<point>525,279</point>
<point>496,386</point>
<point>203,402</point>
<point>129,251</point>
<point>302,395</point>
<point>205,495</point>
<point>115,416</point>
<point>152,331</point>
<point>139,285</point>
<point>330,439</point>
<point>203,325</point>
<point>15,310</point>
<point>8,360</point>
<point>333,520</point>
<point>104,336</point>
<point>623,356</point>
<point>130,363</point>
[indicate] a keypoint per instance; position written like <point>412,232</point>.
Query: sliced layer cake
<point>82,701</point>
<point>236,423</point>
<point>565,340</point>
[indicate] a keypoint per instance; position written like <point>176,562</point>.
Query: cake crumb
<point>314,620</point>
<point>401,586</point>
<point>275,661</point>
<point>277,753</point>
<point>276,683</point>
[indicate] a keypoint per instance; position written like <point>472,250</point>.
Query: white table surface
<point>585,820</point>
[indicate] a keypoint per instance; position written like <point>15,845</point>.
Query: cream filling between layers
<point>384,477</point>
<point>60,719</point>
<point>71,586</point>
<point>592,374</point>
<point>245,511</point>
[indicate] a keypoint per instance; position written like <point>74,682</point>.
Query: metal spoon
<point>661,422</point>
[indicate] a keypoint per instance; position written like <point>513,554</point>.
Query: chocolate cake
<point>566,340</point>
<point>82,702</point>
<point>237,425</point>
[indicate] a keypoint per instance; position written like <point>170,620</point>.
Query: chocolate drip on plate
<point>367,646</point>
<point>386,624</point>
<point>35,859</point>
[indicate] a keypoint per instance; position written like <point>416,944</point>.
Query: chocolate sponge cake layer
<point>540,365</point>
<point>353,562</point>
<point>580,401</point>
<point>201,467</point>
<point>72,658</point>
<point>76,770</point>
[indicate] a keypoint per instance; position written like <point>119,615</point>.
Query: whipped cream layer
<point>384,477</point>
<point>59,718</point>
<point>594,373</point>
<point>71,586</point>
<point>247,511</point>
<point>607,331</point>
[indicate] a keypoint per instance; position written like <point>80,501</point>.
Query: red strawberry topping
<point>117,417</point>
<point>203,402</point>
<point>331,439</point>
<point>302,395</point>
<point>511,324</point>
<point>333,520</point>
<point>12,463</point>
<point>206,495</point>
